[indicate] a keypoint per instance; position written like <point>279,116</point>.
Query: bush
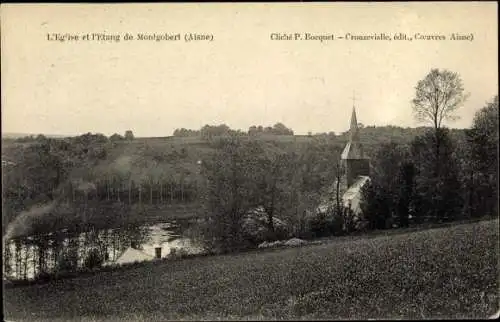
<point>324,224</point>
<point>43,276</point>
<point>67,263</point>
<point>196,232</point>
<point>94,259</point>
<point>255,228</point>
<point>319,225</point>
<point>336,225</point>
<point>178,253</point>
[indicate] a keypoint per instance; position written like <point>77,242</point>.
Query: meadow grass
<point>449,272</point>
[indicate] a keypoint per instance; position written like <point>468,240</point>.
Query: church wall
<point>357,167</point>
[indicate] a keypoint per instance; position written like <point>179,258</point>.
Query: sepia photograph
<point>250,161</point>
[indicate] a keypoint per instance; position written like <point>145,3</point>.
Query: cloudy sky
<point>242,77</point>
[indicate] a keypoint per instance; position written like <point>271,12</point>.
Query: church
<point>355,172</point>
<point>356,167</point>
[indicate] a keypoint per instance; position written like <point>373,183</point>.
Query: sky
<point>242,77</point>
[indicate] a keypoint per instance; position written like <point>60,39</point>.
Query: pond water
<point>25,258</point>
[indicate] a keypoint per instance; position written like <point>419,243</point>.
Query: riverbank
<point>65,254</point>
<point>446,272</point>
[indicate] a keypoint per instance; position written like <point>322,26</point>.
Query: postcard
<point>264,161</point>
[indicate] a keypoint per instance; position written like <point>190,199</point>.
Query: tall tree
<point>438,96</point>
<point>381,197</point>
<point>482,141</point>
<point>228,194</point>
<point>312,172</point>
<point>271,185</point>
<point>485,130</point>
<point>303,193</point>
<point>438,195</point>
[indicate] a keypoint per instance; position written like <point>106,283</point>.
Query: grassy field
<point>437,273</point>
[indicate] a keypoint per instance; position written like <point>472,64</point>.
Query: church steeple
<point>354,121</point>
<point>353,158</point>
<point>353,130</point>
<point>353,148</point>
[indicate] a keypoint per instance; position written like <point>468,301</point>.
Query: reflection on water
<point>28,257</point>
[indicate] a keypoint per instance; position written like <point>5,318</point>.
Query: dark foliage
<point>94,259</point>
<point>481,170</point>
<point>437,181</point>
<point>407,186</point>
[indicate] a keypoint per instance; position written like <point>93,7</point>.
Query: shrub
<point>319,225</point>
<point>43,276</point>
<point>67,263</point>
<point>94,259</point>
<point>178,253</point>
<point>336,225</point>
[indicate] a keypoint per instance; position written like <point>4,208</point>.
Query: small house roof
<point>131,255</point>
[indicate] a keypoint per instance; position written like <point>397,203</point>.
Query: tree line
<point>209,131</point>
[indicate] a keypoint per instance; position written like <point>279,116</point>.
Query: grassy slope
<point>446,272</point>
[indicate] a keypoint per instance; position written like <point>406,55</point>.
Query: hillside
<point>156,172</point>
<point>173,154</point>
<point>12,135</point>
<point>438,273</point>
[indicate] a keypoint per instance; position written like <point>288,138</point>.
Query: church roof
<point>350,196</point>
<point>353,196</point>
<point>352,151</point>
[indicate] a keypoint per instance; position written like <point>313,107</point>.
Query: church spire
<point>353,148</point>
<point>354,122</point>
<point>354,130</point>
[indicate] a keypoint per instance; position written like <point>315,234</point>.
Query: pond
<point>26,258</point>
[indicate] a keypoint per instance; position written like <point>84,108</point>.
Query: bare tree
<point>438,96</point>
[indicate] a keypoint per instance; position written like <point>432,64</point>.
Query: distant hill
<point>176,157</point>
<point>11,135</point>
